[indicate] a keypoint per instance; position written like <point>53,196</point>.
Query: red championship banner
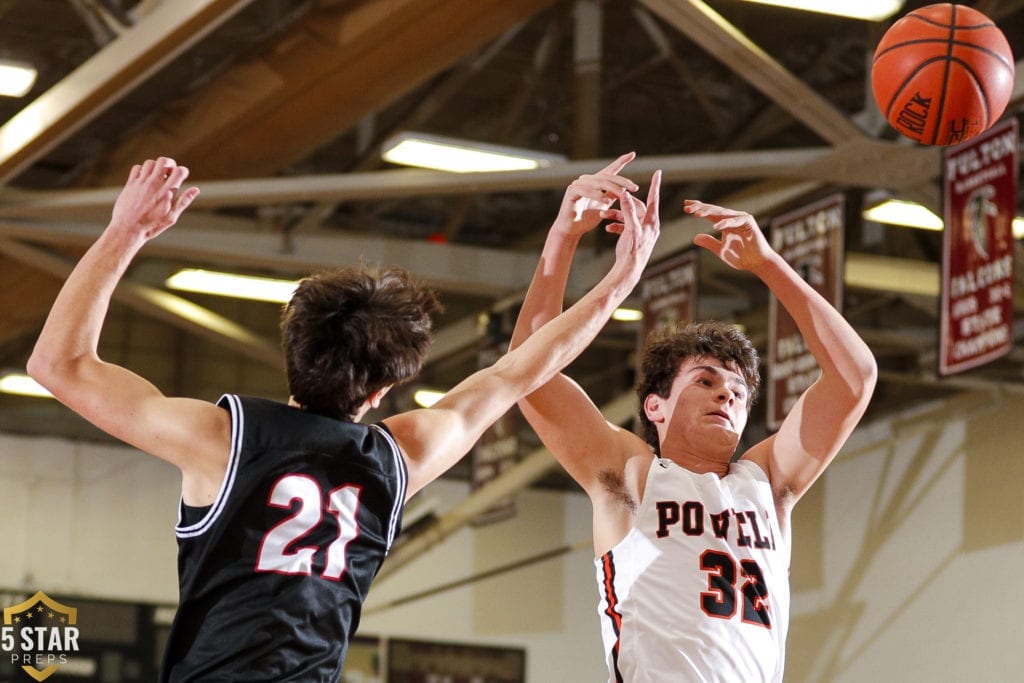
<point>668,292</point>
<point>980,183</point>
<point>810,239</point>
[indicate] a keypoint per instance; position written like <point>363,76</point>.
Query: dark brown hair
<point>666,349</point>
<point>349,332</point>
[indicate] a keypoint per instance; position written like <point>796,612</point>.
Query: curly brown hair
<point>348,332</point>
<point>666,349</point>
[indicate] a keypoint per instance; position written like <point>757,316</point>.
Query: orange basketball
<point>942,74</point>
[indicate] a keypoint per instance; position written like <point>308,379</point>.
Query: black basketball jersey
<point>273,576</point>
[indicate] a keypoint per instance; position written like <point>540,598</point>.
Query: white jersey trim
<point>403,477</point>
<point>211,516</point>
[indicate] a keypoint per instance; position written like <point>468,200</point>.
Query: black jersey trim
<point>402,475</point>
<point>237,430</point>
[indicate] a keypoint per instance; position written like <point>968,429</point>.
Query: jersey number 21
<point>279,551</point>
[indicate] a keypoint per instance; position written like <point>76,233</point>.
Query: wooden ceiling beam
<point>161,305</point>
<point>719,38</point>
<point>338,64</point>
<point>864,163</point>
<point>167,31</point>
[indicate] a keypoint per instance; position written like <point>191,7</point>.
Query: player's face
<point>708,403</point>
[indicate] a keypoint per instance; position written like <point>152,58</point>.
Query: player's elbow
<point>516,379</point>
<point>42,366</point>
<point>866,373</point>
<point>858,380</point>
<point>51,369</point>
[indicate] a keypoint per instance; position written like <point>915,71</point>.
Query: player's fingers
<point>639,206</point>
<point>184,200</point>
<point>607,183</point>
<point>584,191</point>
<point>710,211</point>
<point>615,228</point>
<point>619,164</point>
<point>630,215</point>
<point>733,222</point>
<point>708,242</point>
<point>176,175</point>
<point>654,196</point>
<point>163,167</point>
<point>147,169</point>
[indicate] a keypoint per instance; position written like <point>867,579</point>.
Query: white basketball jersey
<point>698,590</point>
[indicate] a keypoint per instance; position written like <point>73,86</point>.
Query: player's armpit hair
<point>615,485</point>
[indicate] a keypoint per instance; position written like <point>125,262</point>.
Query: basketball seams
<point>972,72</point>
<point>967,68</point>
<point>902,86</point>
<point>956,43</point>
<point>910,79</point>
<point>944,90</point>
<point>929,68</point>
<point>939,24</point>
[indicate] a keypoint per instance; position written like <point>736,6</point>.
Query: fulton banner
<point>980,183</point>
<point>668,292</point>
<point>810,239</point>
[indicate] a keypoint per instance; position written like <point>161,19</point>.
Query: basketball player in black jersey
<point>287,511</point>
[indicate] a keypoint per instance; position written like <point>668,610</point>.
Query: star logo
<point>40,632</point>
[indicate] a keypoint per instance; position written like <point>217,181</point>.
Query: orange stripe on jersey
<point>608,569</point>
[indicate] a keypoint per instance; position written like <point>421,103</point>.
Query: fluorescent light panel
<point>461,156</point>
<point>913,215</point>
<point>907,214</point>
<point>16,78</point>
<point>22,385</point>
<point>627,315</point>
<point>427,397</point>
<point>872,10</point>
<point>233,285</point>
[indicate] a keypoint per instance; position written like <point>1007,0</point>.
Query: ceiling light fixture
<point>904,213</point>
<point>912,215</point>
<point>871,10</point>
<point>20,384</point>
<point>427,397</point>
<point>627,315</point>
<point>461,156</point>
<point>16,78</point>
<point>233,285</point>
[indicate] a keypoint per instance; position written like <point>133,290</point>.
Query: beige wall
<point>908,558</point>
<point>91,520</point>
<point>907,562</point>
<point>549,608</point>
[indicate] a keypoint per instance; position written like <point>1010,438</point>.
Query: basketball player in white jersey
<point>693,547</point>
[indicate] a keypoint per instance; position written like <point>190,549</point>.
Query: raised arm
<point>435,438</point>
<point>586,201</point>
<point>190,434</point>
<point>586,444</point>
<point>828,411</point>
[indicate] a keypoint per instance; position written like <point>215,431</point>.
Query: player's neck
<point>701,463</point>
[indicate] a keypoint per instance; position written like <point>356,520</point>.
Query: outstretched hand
<point>589,199</point>
<point>152,199</point>
<point>741,245</point>
<point>640,225</point>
